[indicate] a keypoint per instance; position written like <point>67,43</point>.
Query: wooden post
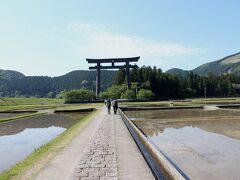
<point>98,79</point>
<point>128,75</point>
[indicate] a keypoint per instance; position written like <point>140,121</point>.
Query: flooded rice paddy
<point>20,138</point>
<point>203,144</point>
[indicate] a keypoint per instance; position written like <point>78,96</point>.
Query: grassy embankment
<point>20,117</point>
<point>29,103</point>
<point>26,101</point>
<point>187,102</point>
<point>207,101</point>
<point>29,167</point>
<point>7,104</point>
<point>10,104</point>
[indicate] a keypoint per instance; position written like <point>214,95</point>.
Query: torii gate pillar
<point>98,79</point>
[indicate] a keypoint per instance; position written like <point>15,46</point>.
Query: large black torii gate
<point>98,67</point>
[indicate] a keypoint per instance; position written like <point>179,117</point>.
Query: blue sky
<point>53,37</point>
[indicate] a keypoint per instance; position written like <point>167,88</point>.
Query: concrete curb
<point>53,110</point>
<point>161,160</point>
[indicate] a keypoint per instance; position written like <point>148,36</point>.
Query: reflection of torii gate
<point>98,67</point>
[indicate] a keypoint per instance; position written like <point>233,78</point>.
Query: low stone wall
<point>19,111</point>
<point>75,110</point>
<point>159,108</point>
<point>229,106</point>
<point>157,161</point>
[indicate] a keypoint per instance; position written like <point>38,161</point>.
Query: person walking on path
<point>115,105</point>
<point>108,105</point>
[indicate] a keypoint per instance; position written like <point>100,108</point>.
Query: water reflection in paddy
<point>20,138</point>
<point>204,144</point>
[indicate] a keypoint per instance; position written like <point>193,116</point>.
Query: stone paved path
<point>99,159</point>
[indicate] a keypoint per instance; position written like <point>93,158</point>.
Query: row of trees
<point>115,91</point>
<point>121,91</point>
<point>168,86</point>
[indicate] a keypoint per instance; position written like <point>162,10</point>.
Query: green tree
<point>134,74</point>
<point>129,94</point>
<point>144,94</point>
<point>120,77</point>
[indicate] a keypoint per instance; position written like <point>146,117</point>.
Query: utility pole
<point>136,91</point>
<point>205,94</point>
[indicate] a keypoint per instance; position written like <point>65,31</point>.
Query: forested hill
<point>229,64</point>
<point>226,65</point>
<point>13,83</point>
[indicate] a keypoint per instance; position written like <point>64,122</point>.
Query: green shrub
<point>114,91</point>
<point>61,95</point>
<point>144,94</point>
<point>79,95</point>
<point>104,95</point>
<point>129,94</point>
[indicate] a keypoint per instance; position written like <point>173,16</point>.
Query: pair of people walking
<point>114,104</point>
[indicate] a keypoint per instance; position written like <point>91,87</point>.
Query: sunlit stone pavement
<point>99,159</point>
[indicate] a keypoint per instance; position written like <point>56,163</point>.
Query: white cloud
<point>103,41</point>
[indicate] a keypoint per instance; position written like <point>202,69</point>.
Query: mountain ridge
<point>227,64</point>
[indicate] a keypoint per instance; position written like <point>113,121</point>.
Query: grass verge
<point>20,117</point>
<point>29,167</point>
